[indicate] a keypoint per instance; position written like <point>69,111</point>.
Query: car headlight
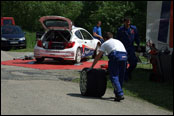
<point>23,38</point>
<point>4,39</point>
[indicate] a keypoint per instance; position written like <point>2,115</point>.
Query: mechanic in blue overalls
<point>97,33</point>
<point>117,62</point>
<point>127,34</point>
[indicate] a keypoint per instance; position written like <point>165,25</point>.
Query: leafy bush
<point>83,13</point>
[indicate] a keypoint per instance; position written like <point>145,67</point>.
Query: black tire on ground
<point>93,83</point>
<point>24,47</point>
<point>39,60</point>
<point>6,48</point>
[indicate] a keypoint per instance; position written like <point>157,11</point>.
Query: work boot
<point>118,98</point>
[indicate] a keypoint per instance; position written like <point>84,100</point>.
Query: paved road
<point>26,91</point>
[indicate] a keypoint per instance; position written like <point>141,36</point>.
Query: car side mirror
<point>24,33</point>
<point>39,35</point>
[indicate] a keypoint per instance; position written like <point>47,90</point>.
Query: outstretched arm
<point>95,33</point>
<point>97,58</point>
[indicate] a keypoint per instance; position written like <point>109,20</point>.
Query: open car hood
<point>56,22</point>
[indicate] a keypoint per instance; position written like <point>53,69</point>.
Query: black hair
<point>126,19</point>
<point>107,35</point>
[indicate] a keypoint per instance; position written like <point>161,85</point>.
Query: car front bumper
<point>13,44</point>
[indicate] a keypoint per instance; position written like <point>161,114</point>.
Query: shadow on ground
<point>89,97</point>
<point>61,62</point>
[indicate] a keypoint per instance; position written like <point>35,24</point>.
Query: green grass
<point>160,94</point>
<point>31,39</point>
<point>104,58</point>
<point>22,50</point>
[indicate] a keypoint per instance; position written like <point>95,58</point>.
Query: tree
<point>83,13</point>
<point>27,13</point>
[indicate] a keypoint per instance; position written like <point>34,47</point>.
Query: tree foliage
<point>83,13</point>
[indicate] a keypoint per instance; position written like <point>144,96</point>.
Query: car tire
<point>93,83</point>
<point>96,51</point>
<point>24,47</point>
<point>78,56</point>
<point>39,60</point>
<point>6,48</point>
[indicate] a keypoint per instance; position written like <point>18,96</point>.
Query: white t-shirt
<point>111,45</point>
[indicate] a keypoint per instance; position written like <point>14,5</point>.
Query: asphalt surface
<point>26,91</point>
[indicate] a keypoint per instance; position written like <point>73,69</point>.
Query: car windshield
<point>7,22</point>
<point>11,30</point>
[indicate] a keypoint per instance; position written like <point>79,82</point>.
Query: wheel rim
<point>97,50</point>
<point>83,82</point>
<point>78,57</point>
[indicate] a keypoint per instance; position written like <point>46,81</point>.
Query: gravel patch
<point>5,56</point>
<point>11,55</point>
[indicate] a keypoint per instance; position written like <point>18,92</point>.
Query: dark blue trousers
<point>132,60</point>
<point>117,67</point>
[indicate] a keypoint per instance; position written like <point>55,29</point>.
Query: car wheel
<point>6,48</point>
<point>78,56</point>
<point>24,47</point>
<point>93,83</point>
<point>39,60</point>
<point>96,51</point>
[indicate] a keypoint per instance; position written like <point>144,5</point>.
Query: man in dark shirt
<point>127,34</point>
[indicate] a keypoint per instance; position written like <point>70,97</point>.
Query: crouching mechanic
<point>117,62</point>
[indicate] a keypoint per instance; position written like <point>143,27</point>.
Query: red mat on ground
<point>50,65</point>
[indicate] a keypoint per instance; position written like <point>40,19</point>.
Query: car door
<point>80,38</point>
<point>80,41</point>
<point>88,46</point>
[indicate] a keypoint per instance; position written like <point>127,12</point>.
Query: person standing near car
<point>97,33</point>
<point>73,26</point>
<point>117,62</point>
<point>127,34</point>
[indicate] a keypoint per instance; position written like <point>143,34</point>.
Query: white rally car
<point>63,41</point>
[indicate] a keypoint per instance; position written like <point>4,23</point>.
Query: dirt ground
<point>27,91</point>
